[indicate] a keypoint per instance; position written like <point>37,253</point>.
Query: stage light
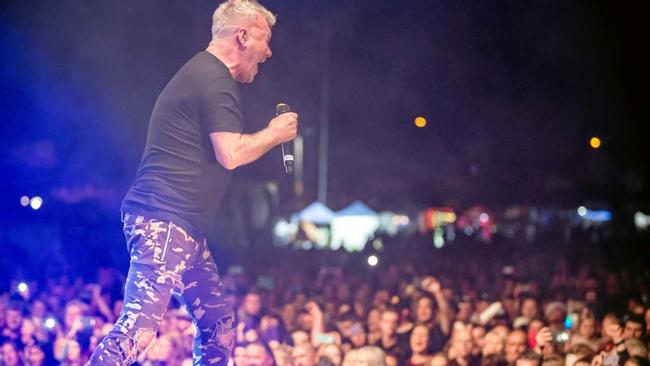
<point>22,287</point>
<point>401,220</point>
<point>597,216</point>
<point>36,202</point>
<point>24,201</point>
<point>595,142</point>
<point>420,122</point>
<point>582,211</point>
<point>373,260</point>
<point>641,220</point>
<point>438,238</point>
<point>50,323</point>
<point>484,217</point>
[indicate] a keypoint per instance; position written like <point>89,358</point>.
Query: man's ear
<point>242,37</point>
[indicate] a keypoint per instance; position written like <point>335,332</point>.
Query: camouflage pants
<point>165,258</point>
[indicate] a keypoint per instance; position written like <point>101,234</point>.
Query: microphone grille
<point>282,108</point>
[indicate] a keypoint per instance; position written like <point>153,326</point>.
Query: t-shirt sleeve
<point>219,107</point>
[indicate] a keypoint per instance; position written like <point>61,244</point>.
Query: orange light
<point>595,142</point>
<point>420,122</point>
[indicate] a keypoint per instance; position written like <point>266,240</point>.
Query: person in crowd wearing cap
<point>555,314</point>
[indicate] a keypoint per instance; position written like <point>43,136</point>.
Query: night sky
<point>512,92</point>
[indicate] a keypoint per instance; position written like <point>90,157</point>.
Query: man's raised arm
<point>236,149</point>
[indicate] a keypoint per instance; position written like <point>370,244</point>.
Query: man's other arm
<point>233,149</point>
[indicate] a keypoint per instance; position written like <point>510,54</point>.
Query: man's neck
<point>226,54</point>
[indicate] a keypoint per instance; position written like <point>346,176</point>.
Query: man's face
<point>374,317</point>
<point>257,50</point>
<point>306,321</point>
<point>252,304</point>
<point>9,354</point>
<point>388,323</point>
<point>419,339</point>
<point>256,356</point>
<point>35,354</point>
<point>333,353</point>
<point>529,308</point>
<point>587,328</point>
<point>27,328</point>
<point>301,356</point>
<point>493,344</point>
<point>300,337</point>
<point>555,316</point>
<point>478,336</point>
<point>72,313</point>
<point>239,356</point>
<point>510,306</point>
<point>633,330</point>
<point>358,339</point>
<point>515,345</point>
<point>73,350</point>
<point>464,311</point>
<point>462,342</point>
<point>14,319</point>
<point>343,292</point>
<point>423,310</point>
<point>38,309</point>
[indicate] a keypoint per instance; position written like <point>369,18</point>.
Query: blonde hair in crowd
<point>350,358</point>
<point>370,356</point>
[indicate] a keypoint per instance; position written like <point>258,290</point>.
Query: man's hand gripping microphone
<point>287,147</point>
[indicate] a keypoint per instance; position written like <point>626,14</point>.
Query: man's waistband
<point>131,217</point>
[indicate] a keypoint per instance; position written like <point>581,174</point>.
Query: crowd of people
<point>462,307</point>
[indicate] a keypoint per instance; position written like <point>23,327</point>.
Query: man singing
<point>194,141</point>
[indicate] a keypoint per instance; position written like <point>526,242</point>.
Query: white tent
<point>317,213</point>
<point>353,226</point>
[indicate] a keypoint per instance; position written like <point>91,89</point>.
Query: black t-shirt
<point>179,178</point>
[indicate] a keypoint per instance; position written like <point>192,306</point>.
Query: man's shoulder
<point>208,65</point>
<point>198,74</point>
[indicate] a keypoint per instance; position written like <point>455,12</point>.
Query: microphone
<point>287,147</point>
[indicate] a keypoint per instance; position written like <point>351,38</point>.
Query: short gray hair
<point>372,355</point>
<point>230,11</point>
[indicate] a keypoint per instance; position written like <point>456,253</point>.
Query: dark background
<point>512,92</point>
